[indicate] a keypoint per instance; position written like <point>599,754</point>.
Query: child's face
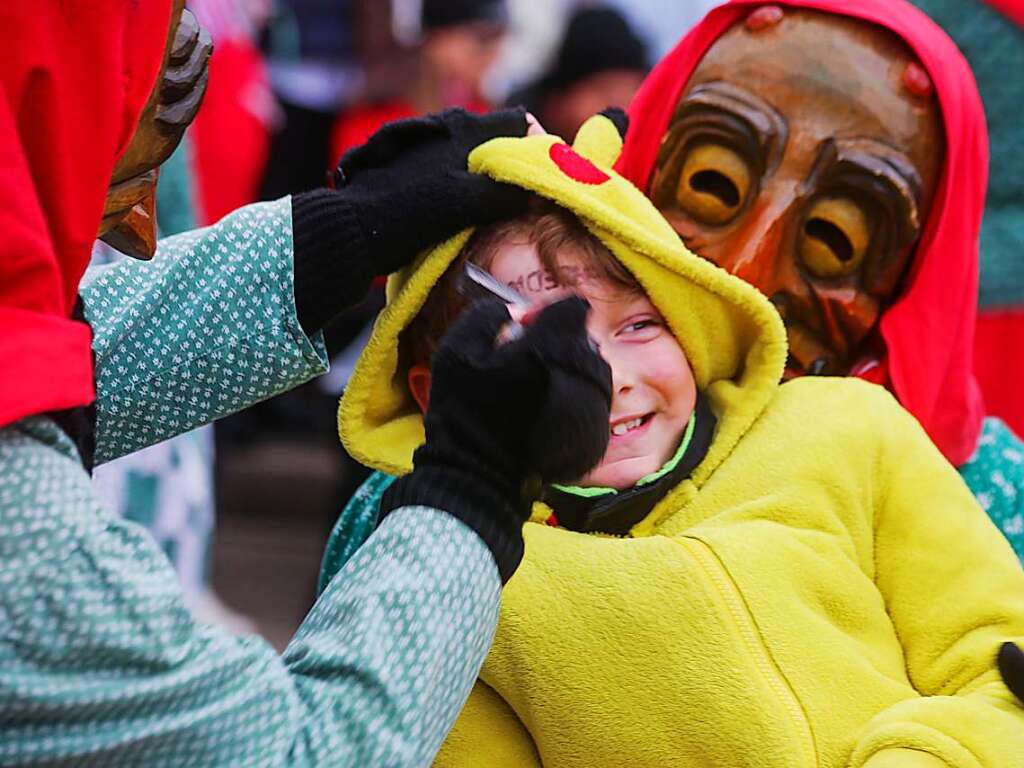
<point>653,388</point>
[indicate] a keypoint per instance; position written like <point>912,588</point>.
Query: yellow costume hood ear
<point>599,141</point>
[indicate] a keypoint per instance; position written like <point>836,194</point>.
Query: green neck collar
<point>598,490</point>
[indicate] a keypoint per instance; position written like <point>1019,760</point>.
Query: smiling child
<point>756,574</point>
<point>547,255</point>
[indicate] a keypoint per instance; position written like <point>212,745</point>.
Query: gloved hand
<point>1011,667</point>
<point>405,189</point>
<point>505,418</point>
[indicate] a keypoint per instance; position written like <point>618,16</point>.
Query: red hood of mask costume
<point>74,80</point>
<point>1012,9</point>
<point>929,330</point>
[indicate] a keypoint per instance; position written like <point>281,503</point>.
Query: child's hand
<point>500,415</point>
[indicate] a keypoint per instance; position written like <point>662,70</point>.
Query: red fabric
<point>999,364</point>
<point>1012,9</point>
<point>73,80</point>
<point>231,136</point>
<point>929,331</point>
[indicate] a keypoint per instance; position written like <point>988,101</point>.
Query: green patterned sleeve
<point>207,328</point>
<point>995,475</point>
<point>101,663</point>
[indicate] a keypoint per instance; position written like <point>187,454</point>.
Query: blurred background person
<point>600,63</point>
<point>313,66</point>
<point>436,56</point>
<point>537,29</point>
<point>229,141</point>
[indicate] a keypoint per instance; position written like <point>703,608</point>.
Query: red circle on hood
<point>575,166</point>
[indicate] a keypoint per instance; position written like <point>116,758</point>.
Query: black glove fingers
<point>470,131</point>
<point>473,335</point>
<point>559,327</point>
<point>560,340</point>
<point>392,140</point>
<point>571,432</point>
<point>482,200</point>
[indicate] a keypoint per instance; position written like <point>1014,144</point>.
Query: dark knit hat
<point>598,39</point>
<point>438,14</point>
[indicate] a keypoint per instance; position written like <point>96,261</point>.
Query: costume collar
<point>605,510</point>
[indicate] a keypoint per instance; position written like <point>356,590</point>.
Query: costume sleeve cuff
<point>466,498</point>
<point>331,255</point>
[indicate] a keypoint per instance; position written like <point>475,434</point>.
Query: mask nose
<point>755,252</point>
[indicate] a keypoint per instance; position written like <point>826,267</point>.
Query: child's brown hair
<point>553,230</point>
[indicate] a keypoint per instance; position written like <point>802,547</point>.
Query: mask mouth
<point>808,355</point>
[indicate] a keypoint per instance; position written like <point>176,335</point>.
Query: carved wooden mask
<point>129,218</point>
<point>803,156</point>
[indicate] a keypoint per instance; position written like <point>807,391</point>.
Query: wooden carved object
<point>129,217</point>
<point>803,156</point>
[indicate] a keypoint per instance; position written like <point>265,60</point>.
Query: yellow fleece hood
<point>732,337</point>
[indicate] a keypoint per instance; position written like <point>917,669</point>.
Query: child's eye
<point>640,325</point>
<point>642,328</point>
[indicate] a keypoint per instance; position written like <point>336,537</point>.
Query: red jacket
<point>74,77</point>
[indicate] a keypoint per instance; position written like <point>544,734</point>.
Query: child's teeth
<point>625,426</point>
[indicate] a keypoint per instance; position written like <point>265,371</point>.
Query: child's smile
<point>653,388</point>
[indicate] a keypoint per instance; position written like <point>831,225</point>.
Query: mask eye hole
<point>713,184</point>
<point>831,237</point>
<point>716,184</point>
<point>835,237</point>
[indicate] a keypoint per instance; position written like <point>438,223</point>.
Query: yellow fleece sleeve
<point>955,593</point>
<point>488,734</point>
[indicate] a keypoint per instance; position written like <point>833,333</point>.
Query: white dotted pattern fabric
<point>205,329</point>
<point>101,664</point>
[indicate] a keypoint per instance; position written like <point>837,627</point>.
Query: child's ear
<point>419,385</point>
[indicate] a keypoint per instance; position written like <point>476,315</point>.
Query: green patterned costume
<point>100,661</point>
<point>995,475</point>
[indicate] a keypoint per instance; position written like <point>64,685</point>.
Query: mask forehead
<point>827,76</point>
<point>803,156</point>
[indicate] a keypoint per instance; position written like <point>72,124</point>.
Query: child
<point>756,574</point>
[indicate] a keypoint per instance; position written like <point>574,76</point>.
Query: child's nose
<point>623,377</point>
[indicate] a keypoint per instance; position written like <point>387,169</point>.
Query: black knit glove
<point>503,419</point>
<point>1010,661</point>
<point>405,189</point>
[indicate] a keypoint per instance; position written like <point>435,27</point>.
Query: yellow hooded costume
<point>821,591</point>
